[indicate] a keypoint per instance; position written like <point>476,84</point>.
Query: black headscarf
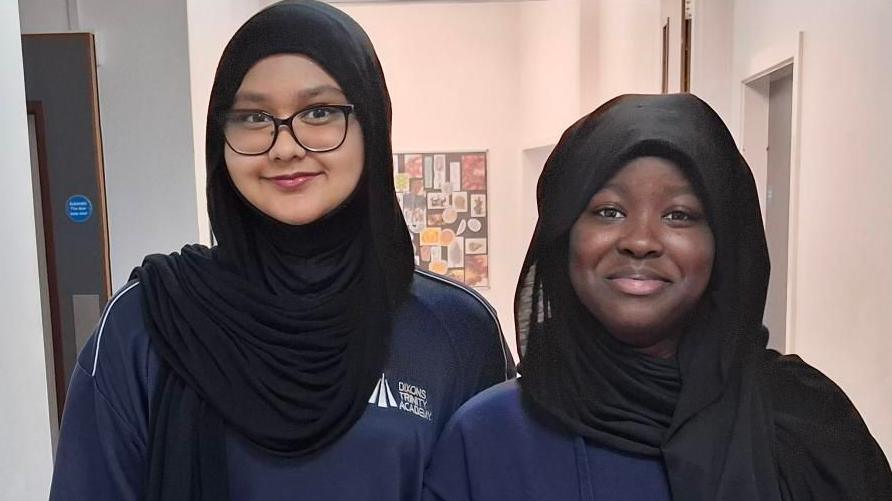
<point>279,332</point>
<point>730,419</point>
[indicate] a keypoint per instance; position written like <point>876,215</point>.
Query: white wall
<point>144,98</point>
<point>26,463</point>
<point>841,286</point>
<point>44,16</point>
<point>146,119</point>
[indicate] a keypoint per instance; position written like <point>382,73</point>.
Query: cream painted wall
<point>508,77</point>
<point>842,287</point>
<point>453,71</point>
<point>629,45</point>
<point>671,10</point>
<point>26,461</point>
<point>549,58</point>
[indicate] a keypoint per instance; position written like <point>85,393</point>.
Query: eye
<point>249,119</point>
<point>319,115</point>
<point>682,217</point>
<point>678,215</point>
<point>608,213</point>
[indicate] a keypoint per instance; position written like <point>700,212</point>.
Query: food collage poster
<point>443,198</point>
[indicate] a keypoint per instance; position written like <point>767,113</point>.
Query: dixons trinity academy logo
<point>413,399</point>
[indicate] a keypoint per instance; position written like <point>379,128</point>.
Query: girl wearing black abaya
<point>639,309</point>
<point>302,357</point>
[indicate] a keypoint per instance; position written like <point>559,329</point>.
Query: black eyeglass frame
<point>346,109</point>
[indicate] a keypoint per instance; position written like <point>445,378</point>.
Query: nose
<point>640,239</point>
<point>285,146</point>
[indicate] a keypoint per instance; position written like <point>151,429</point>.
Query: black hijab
<point>279,332</point>
<point>730,419</point>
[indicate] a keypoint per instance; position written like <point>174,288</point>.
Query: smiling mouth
<point>291,182</point>
<point>638,284</point>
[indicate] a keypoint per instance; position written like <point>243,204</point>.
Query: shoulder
<point>798,388</point>
<point>466,318</point>
<point>818,429</point>
<point>118,356</point>
<point>492,405</point>
<point>121,329</point>
<point>446,296</point>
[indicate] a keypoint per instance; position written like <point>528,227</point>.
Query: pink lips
<point>638,282</point>
<point>293,182</point>
<point>638,287</point>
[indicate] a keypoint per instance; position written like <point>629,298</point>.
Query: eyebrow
<point>303,95</point>
<point>674,191</point>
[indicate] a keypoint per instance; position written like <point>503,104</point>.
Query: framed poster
<point>443,198</point>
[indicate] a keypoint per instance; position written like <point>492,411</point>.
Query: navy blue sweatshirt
<point>494,450</point>
<point>446,347</point>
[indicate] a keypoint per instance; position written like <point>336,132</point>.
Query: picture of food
<point>460,201</point>
<point>428,176</point>
<point>439,176</point>
<point>438,267</point>
<point>478,205</point>
<point>416,187</point>
<point>447,236</point>
<point>412,166</point>
<point>455,254</point>
<point>473,171</point>
<point>443,199</point>
<point>430,236</point>
<point>416,220</point>
<point>476,271</point>
<point>455,174</point>
<point>428,162</point>
<point>437,200</point>
<point>435,219</point>
<point>401,182</point>
<point>449,215</point>
<point>456,274</point>
<point>475,245</point>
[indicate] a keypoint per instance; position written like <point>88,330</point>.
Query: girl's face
<point>288,182</point>
<point>641,254</point>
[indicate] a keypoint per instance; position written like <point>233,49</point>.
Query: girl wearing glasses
<point>302,357</point>
<point>645,374</point>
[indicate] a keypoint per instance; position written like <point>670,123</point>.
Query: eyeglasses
<point>319,128</point>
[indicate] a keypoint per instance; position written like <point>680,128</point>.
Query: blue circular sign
<point>79,208</point>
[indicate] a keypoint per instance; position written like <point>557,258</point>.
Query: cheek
<point>699,254</point>
<point>587,248</point>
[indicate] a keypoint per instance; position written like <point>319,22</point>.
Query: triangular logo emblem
<point>382,397</point>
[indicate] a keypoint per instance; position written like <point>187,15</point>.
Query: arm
<point>446,478</point>
<point>100,455</point>
<point>102,444</point>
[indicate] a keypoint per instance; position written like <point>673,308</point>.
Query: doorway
<point>767,147</point>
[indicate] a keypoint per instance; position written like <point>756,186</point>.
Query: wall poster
<point>443,198</point>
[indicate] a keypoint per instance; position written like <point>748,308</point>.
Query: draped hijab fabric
<point>280,332</point>
<point>730,419</point>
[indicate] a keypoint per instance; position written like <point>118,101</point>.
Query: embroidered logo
<point>412,398</point>
<point>382,397</point>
